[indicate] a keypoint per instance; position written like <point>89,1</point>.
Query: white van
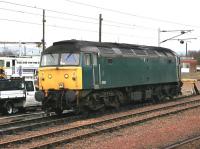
<point>30,95</point>
<point>17,94</point>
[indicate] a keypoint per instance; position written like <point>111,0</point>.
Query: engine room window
<point>49,60</point>
<point>139,52</point>
<point>151,52</point>
<point>127,52</point>
<point>169,54</point>
<point>69,59</point>
<point>161,53</point>
<point>87,59</point>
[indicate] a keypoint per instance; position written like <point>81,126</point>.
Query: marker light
<point>66,76</point>
<point>49,76</point>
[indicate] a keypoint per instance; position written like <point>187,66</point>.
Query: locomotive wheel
<point>159,97</point>
<point>171,93</point>
<point>114,102</point>
<point>94,103</point>
<point>121,98</point>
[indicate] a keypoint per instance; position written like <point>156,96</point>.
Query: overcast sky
<point>127,21</point>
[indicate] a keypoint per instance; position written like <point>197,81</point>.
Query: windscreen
<point>61,59</point>
<point>69,59</point>
<point>49,60</point>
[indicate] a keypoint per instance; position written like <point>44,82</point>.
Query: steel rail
<point>32,123</point>
<point>182,143</point>
<point>98,131</point>
<point>19,117</point>
<point>134,114</point>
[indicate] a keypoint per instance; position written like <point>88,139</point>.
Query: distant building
<point>25,66</point>
<point>188,64</point>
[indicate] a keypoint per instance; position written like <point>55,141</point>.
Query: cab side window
<point>95,59</point>
<point>87,59</point>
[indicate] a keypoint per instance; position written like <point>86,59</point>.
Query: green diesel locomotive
<point>84,75</point>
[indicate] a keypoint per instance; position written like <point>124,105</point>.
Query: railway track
<point>19,117</point>
<point>38,120</point>
<point>72,131</point>
<point>33,123</point>
<point>187,143</point>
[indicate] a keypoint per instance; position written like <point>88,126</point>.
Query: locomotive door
<point>95,70</point>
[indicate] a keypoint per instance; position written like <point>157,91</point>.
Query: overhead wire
<point>72,28</point>
<point>106,9</point>
<point>129,14</point>
<point>119,24</point>
<point>19,21</point>
<point>50,10</point>
<point>128,35</point>
<point>89,5</point>
<point>37,14</point>
<point>56,26</point>
<point>130,26</point>
<point>20,11</point>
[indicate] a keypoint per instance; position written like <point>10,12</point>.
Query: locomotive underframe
<point>59,100</point>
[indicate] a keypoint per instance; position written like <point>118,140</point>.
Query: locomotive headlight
<point>66,76</point>
<point>61,85</point>
<point>49,76</point>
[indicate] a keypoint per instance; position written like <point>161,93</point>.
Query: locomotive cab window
<point>49,60</point>
<point>69,59</point>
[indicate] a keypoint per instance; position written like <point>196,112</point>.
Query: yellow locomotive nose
<point>68,78</point>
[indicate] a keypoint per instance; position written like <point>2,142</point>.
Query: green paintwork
<point>131,71</point>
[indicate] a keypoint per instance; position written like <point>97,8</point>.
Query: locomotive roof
<point>77,45</point>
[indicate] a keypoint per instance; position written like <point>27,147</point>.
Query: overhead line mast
<point>100,26</point>
<point>43,30</point>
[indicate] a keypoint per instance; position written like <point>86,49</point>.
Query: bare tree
<point>8,52</point>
